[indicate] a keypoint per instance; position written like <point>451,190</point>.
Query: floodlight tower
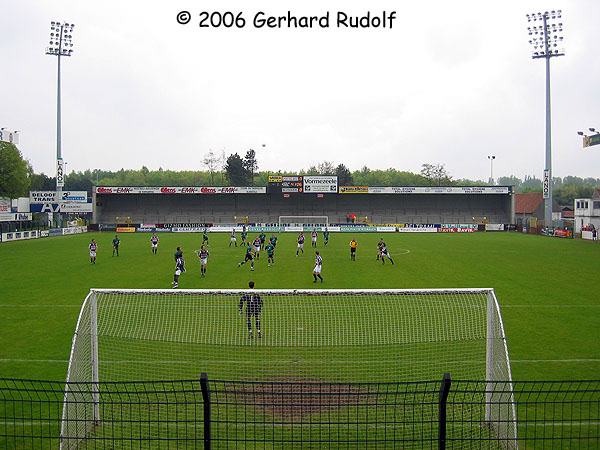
<point>546,39</point>
<point>61,44</point>
<point>491,158</point>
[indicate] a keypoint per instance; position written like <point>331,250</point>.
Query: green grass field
<point>547,288</point>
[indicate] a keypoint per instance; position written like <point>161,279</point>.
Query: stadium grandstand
<point>403,205</point>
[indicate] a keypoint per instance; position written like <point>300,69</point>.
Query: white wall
<point>586,214</point>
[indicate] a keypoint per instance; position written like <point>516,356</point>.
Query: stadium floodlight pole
<point>546,39</point>
<point>61,44</point>
<point>491,158</point>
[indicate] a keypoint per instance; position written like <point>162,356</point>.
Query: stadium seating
<point>266,208</point>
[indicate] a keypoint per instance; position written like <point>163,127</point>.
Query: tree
<point>42,182</point>
<point>15,172</point>
<point>440,174</point>
<point>435,173</point>
<point>235,170</point>
<point>427,172</point>
<point>326,168</point>
<point>250,164</point>
<point>344,175</point>
<point>212,163</point>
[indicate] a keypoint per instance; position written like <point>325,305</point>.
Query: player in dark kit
<point>203,256</point>
<point>249,257</point>
<point>380,245</point>
<point>300,246</point>
<point>257,245</point>
<point>205,236</point>
<point>179,267</point>
<point>263,238</point>
<point>178,253</point>
<point>93,247</point>
<point>244,236</point>
<point>270,248</point>
<point>326,236</point>
<point>154,243</point>
<point>385,254</point>
<point>273,240</point>
<point>116,242</point>
<point>318,267</point>
<point>253,309</point>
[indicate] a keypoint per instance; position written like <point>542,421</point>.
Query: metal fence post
<point>444,390</point>
<point>206,401</point>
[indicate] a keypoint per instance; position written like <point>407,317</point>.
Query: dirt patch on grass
<point>295,399</point>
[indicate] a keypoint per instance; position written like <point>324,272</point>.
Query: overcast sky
<point>451,83</point>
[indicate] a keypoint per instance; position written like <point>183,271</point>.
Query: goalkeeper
<point>253,309</point>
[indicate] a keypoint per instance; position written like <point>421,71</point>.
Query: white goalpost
<point>339,336</point>
<point>298,221</point>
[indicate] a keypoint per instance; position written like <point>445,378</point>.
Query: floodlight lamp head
<point>593,130</point>
<point>580,133</point>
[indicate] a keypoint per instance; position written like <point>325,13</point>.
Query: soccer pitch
<point>547,288</point>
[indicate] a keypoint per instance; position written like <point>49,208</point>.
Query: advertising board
<point>5,205</point>
<point>75,207</point>
<point>354,189</point>
<point>169,190</point>
<point>320,184</point>
<point>125,229</point>
<point>439,190</point>
<point>38,197</point>
<point>74,196</point>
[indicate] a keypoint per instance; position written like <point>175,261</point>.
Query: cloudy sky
<point>451,82</point>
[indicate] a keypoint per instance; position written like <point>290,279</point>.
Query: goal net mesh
<point>316,336</point>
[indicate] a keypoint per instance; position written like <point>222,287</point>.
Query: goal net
<point>306,335</point>
<point>298,221</point>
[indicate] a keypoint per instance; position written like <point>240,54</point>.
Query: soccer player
<point>353,245</point>
<point>270,248</point>
<point>273,240</point>
<point>263,237</point>
<point>116,242</point>
<point>93,246</point>
<point>326,236</point>
<point>154,243</point>
<point>178,253</point>
<point>253,309</point>
<point>244,236</point>
<point>205,236</point>
<point>203,255</point>
<point>257,243</point>
<point>380,244</point>
<point>385,254</point>
<point>233,239</point>
<point>313,238</point>
<point>318,267</point>
<point>179,267</point>
<point>300,246</point>
<point>249,257</point>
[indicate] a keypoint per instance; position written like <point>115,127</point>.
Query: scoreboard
<point>303,184</point>
<point>279,184</point>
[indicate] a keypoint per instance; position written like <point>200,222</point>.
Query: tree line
<point>17,176</point>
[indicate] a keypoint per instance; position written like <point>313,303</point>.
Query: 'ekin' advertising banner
<point>169,190</point>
